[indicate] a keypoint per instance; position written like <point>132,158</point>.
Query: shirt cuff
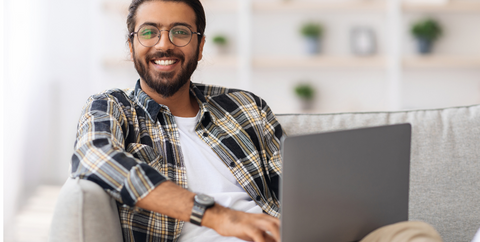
<point>142,179</point>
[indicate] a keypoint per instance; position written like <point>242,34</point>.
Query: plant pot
<point>221,49</point>
<point>312,45</point>
<point>306,104</point>
<point>424,46</point>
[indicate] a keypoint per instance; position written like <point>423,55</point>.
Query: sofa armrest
<point>85,212</point>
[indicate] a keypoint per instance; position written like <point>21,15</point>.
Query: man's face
<point>165,67</point>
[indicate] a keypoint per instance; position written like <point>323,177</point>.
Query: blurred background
<point>314,56</point>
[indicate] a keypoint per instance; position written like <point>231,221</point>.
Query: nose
<point>164,43</point>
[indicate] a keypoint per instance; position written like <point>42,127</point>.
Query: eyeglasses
<point>179,36</point>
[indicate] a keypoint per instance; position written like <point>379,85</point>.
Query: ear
<point>130,46</point>
<point>200,49</point>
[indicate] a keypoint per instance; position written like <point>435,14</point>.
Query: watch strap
<point>197,214</point>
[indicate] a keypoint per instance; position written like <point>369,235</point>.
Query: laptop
<point>339,186</point>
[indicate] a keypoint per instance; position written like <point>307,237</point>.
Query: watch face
<point>204,199</point>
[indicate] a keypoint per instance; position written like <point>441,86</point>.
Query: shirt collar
<point>205,112</point>
<point>153,108</point>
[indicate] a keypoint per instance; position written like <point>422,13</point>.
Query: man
<point>158,149</point>
<point>147,146</point>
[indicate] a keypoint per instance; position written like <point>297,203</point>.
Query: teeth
<point>165,62</point>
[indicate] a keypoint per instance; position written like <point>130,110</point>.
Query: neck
<point>181,104</point>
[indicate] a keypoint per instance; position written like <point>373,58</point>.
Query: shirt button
<point>258,198</point>
<point>205,134</point>
<point>232,164</point>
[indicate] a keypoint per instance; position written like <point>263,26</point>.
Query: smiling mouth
<point>165,62</point>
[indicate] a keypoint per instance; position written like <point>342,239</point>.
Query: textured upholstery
<point>84,213</point>
<point>444,186</point>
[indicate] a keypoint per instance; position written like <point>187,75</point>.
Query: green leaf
<point>220,40</point>
<point>312,29</point>
<point>305,91</point>
<point>428,29</point>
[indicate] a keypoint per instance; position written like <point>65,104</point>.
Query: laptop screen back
<point>340,186</point>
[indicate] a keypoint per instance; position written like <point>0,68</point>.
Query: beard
<point>166,84</point>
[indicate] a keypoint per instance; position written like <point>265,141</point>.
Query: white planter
<point>306,105</point>
<point>312,45</point>
<point>221,49</point>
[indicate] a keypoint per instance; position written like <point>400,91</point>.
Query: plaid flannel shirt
<point>129,144</point>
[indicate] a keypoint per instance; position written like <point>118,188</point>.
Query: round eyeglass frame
<point>160,35</point>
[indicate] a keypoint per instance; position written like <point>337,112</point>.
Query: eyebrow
<point>171,25</point>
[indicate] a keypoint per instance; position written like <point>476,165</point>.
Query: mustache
<point>165,54</point>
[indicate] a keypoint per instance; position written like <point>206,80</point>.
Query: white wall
<point>21,64</point>
<point>2,132</point>
<point>47,80</point>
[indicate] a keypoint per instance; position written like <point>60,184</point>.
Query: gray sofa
<point>444,179</point>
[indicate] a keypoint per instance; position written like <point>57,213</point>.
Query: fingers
<point>269,238</point>
<point>270,225</point>
<point>246,226</point>
<point>262,236</point>
<point>258,235</point>
<point>263,228</point>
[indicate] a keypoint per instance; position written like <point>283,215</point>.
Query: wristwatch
<point>200,203</point>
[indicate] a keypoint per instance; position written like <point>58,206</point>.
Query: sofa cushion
<point>85,212</point>
<point>445,161</point>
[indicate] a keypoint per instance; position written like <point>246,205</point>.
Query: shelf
<point>207,62</point>
<point>216,61</point>
<point>326,6</point>
<point>214,6</point>
<point>450,7</point>
<point>210,6</point>
<point>367,62</point>
<point>220,6</point>
<point>116,6</point>
<point>441,62</point>
<point>228,62</point>
<point>117,62</point>
<point>319,62</point>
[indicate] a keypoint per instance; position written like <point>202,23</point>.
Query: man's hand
<point>176,202</point>
<point>245,226</point>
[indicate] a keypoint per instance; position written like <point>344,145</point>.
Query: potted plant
<point>312,32</point>
<point>426,31</point>
<point>221,43</point>
<point>306,93</point>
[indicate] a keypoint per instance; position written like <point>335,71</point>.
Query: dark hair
<point>200,19</point>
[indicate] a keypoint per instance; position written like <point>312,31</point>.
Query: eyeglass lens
<point>150,35</point>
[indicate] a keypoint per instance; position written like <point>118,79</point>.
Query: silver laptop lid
<point>339,186</point>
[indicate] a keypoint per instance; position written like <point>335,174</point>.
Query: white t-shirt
<point>477,237</point>
<point>207,174</point>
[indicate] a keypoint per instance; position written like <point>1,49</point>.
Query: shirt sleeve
<point>100,156</point>
<point>272,136</point>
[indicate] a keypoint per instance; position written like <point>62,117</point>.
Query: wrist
<point>213,215</point>
<point>201,203</point>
